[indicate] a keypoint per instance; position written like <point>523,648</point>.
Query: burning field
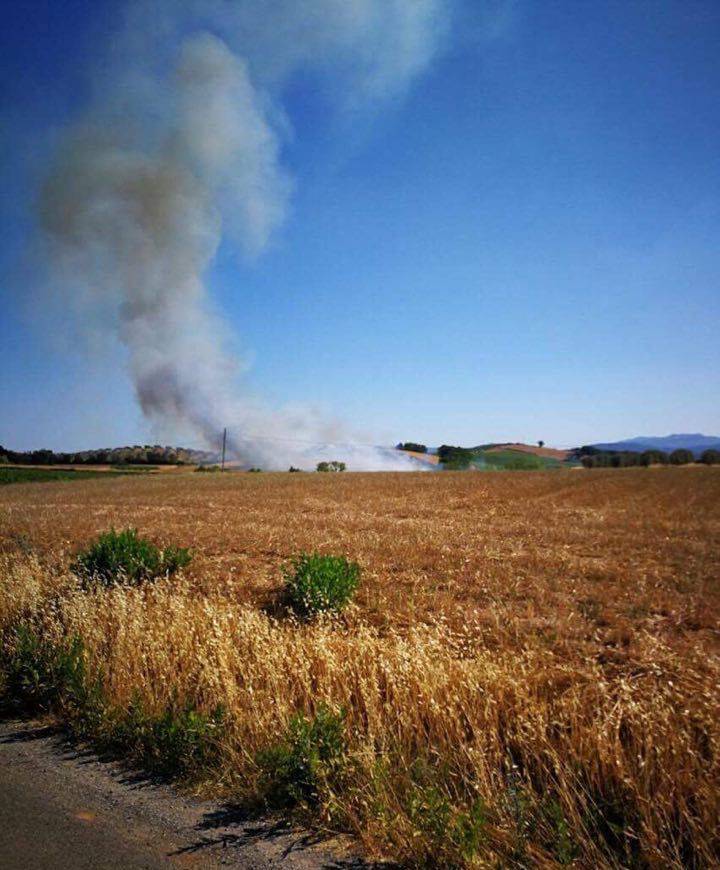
<point>528,674</point>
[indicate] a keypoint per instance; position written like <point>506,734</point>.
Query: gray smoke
<point>181,145</point>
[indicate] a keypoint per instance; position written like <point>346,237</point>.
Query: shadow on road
<point>250,826</point>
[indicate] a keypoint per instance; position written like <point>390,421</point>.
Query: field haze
<point>529,674</point>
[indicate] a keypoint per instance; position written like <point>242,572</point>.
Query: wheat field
<point>529,675</point>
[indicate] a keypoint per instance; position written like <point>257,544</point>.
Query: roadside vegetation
<point>527,676</point>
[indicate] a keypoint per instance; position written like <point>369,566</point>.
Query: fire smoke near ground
<point>180,147</point>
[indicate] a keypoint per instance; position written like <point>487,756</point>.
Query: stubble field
<point>529,675</point>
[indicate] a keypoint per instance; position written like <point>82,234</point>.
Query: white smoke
<point>181,145</point>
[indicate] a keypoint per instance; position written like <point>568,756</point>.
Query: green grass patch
<point>126,558</point>
<point>513,460</point>
<point>41,475</point>
<point>315,583</point>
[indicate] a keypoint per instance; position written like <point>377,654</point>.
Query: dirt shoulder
<point>63,807</point>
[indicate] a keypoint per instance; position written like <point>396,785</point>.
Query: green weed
<point>43,677</point>
<point>316,583</point>
<point>299,768</point>
<point>124,557</point>
<point>178,742</point>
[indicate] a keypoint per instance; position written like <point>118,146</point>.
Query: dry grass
<point>530,675</point>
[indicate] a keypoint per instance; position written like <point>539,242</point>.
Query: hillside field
<point>529,674</point>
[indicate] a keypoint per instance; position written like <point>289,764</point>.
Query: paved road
<point>64,810</point>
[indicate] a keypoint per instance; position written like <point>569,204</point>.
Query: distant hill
<point>509,455</point>
<point>694,442</point>
<point>535,450</point>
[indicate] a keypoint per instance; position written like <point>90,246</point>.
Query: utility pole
<point>222,467</point>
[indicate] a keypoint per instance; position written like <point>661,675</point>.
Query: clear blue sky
<point>525,246</point>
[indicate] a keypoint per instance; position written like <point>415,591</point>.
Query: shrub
<point>40,676</point>
<point>293,470</point>
<point>207,468</point>
<point>447,831</point>
<point>124,557</point>
<point>310,757</point>
<point>681,457</point>
<point>177,742</point>
<point>316,583</point>
<point>254,470</point>
<point>710,457</point>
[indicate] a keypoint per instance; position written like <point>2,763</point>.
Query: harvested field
<point>529,675</point>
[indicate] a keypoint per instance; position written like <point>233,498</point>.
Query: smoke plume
<point>182,145</point>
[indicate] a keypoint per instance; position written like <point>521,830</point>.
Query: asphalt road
<point>62,809</point>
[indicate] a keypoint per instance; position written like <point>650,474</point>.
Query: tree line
<point>593,458</point>
<point>148,454</point>
<point>412,447</point>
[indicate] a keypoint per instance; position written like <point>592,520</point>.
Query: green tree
<point>412,446</point>
<point>455,457</point>
<point>334,465</point>
<point>708,457</point>
<point>653,457</point>
<point>681,457</point>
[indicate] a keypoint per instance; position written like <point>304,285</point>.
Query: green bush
<point>308,759</point>
<point>124,557</point>
<point>710,457</point>
<point>315,583</point>
<point>208,468</point>
<point>177,742</point>
<point>449,831</point>
<point>40,676</point>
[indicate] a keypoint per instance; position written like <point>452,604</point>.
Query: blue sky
<point>522,246</point>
